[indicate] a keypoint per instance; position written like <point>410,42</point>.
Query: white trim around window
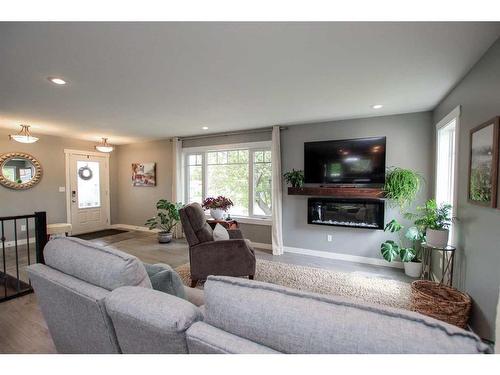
<point>252,147</point>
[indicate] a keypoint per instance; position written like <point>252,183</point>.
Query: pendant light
<point>24,136</point>
<point>104,146</point>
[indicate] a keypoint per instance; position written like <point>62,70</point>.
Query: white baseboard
<point>344,257</point>
<point>19,242</point>
<point>134,227</point>
<point>261,245</point>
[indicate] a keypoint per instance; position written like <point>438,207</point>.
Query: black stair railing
<point>18,253</point>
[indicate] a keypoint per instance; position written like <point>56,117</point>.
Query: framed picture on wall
<point>144,174</point>
<point>483,164</point>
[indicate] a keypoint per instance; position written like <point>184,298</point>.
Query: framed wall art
<point>483,164</point>
<point>144,174</point>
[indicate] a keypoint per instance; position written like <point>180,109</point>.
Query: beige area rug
<point>367,289</point>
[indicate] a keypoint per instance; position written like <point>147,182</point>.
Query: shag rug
<point>365,289</point>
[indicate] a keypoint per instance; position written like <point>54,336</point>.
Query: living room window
<point>446,160</point>
<point>239,172</point>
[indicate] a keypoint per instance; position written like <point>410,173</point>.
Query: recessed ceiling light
<point>204,127</point>
<point>377,106</point>
<point>57,80</point>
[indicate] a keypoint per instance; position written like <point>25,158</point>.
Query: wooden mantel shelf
<point>338,192</point>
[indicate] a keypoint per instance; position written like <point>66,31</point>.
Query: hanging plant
<point>402,186</point>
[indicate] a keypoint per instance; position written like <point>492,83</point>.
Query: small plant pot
<point>217,213</point>
<point>437,237</point>
<point>413,269</point>
<point>164,237</point>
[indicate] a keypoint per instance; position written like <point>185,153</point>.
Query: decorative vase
<point>217,213</point>
<point>437,237</point>
<point>413,269</point>
<point>164,237</point>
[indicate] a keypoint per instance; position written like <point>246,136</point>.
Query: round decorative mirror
<point>19,170</point>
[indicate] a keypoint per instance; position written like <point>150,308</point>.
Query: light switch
<point>62,189</point>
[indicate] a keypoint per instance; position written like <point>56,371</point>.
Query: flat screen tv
<point>358,161</point>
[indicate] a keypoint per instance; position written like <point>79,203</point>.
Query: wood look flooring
<point>23,329</point>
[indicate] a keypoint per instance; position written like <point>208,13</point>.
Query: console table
<point>447,262</point>
<point>228,224</point>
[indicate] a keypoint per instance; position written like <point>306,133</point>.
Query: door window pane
<point>89,192</point>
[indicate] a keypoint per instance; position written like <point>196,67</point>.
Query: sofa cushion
<point>149,321</point>
<point>164,279</point>
<point>103,267</point>
<point>293,321</point>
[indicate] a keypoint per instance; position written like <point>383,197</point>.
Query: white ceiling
<point>135,81</point>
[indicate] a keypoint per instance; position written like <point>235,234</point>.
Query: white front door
<point>88,178</point>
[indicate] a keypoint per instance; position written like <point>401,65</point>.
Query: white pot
<point>217,213</point>
<point>413,269</point>
<point>437,237</point>
<point>164,237</point>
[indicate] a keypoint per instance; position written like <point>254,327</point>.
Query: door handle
<point>73,196</point>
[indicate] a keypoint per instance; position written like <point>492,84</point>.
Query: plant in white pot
<point>217,206</point>
<point>407,249</point>
<point>165,220</point>
<point>434,221</point>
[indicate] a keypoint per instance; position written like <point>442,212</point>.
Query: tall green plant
<point>166,217</point>
<point>407,249</point>
<point>402,186</point>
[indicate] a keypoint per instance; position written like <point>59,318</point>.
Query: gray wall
<point>408,145</point>
<point>44,196</point>
<point>136,204</point>
<point>478,227</point>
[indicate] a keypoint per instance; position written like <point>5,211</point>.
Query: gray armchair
<point>233,257</point>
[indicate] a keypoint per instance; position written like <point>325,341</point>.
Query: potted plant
<point>434,221</point>
<point>401,185</point>
<point>407,250</point>
<point>295,178</point>
<point>217,206</point>
<point>166,218</point>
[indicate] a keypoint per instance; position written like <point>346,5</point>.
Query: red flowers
<point>220,202</point>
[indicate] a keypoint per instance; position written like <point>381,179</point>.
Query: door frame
<point>67,156</point>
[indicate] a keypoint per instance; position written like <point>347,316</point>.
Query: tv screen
<point>348,161</point>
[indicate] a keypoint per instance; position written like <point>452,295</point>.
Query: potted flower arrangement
<point>217,206</point>
<point>407,249</point>
<point>166,218</point>
<point>434,221</point>
<point>295,178</point>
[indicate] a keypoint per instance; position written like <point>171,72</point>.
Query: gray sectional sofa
<point>97,300</point>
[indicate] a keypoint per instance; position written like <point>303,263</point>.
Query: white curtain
<point>277,230</point>
<point>177,179</point>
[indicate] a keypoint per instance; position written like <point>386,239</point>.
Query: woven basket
<point>440,302</point>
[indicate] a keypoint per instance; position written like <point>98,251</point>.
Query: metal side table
<point>447,262</point>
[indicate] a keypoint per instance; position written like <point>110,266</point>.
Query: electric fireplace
<point>346,212</point>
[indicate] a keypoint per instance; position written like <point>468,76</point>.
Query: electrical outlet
<point>23,228</point>
<point>329,238</point>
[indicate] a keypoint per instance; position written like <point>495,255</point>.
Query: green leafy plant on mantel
<point>407,248</point>
<point>402,186</point>
<point>166,217</point>
<point>295,178</point>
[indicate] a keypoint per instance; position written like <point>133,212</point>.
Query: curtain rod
<point>226,134</point>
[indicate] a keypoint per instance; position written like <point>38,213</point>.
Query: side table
<point>228,224</point>
<point>447,262</point>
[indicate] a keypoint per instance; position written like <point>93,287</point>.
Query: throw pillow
<point>220,233</point>
<point>165,279</point>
